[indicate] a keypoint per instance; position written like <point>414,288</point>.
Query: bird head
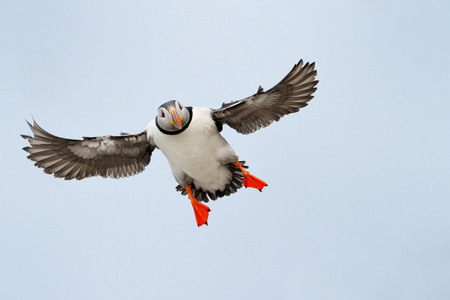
<point>172,116</point>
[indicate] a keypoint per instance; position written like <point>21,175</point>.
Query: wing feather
<point>263,108</point>
<point>107,156</point>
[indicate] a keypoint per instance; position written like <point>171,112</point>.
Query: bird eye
<point>162,114</point>
<point>179,105</point>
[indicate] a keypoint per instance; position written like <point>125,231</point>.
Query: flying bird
<point>202,162</point>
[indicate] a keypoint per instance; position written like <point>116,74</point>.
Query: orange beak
<point>177,119</point>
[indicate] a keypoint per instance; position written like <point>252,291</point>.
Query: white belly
<point>199,152</point>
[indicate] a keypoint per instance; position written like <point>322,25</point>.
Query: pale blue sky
<point>358,200</point>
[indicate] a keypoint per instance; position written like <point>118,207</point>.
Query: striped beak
<point>176,118</point>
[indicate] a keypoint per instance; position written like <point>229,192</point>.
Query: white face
<point>172,116</point>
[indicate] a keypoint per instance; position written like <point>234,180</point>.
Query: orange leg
<point>201,211</point>
<point>250,180</point>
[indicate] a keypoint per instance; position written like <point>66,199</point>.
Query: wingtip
<point>27,149</point>
<point>32,118</point>
<point>33,125</point>
<point>260,90</point>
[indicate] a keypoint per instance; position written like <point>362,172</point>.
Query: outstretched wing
<point>261,109</point>
<point>107,156</point>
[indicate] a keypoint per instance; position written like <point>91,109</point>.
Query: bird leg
<point>250,180</point>
<point>201,211</point>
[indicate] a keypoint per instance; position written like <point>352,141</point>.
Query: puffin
<point>203,163</point>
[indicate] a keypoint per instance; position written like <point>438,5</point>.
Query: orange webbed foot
<point>251,180</point>
<point>201,211</point>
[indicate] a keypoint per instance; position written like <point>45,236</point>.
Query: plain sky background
<point>358,200</point>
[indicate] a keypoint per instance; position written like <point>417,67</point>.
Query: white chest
<point>199,151</point>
